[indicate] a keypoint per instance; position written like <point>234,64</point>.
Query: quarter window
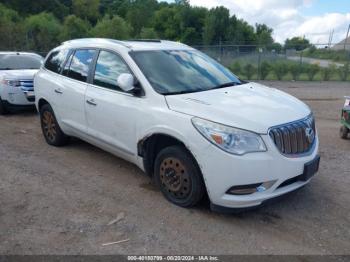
<point>109,67</point>
<point>56,60</point>
<point>80,64</point>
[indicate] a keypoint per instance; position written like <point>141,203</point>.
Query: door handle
<point>91,102</point>
<point>58,91</point>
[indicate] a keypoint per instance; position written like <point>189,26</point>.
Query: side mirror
<point>126,82</point>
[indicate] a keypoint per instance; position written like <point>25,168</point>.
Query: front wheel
<point>344,131</point>
<point>51,130</point>
<point>3,109</point>
<point>178,176</point>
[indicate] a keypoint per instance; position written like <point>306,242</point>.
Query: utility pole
<point>330,38</point>
<point>259,62</point>
<point>346,38</point>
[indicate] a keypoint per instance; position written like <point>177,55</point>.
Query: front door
<point>112,113</point>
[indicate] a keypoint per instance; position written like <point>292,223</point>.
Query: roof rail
<point>92,39</point>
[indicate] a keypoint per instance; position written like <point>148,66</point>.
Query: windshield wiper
<point>225,85</point>
<point>202,90</point>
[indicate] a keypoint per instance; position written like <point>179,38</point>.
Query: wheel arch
<point>41,102</point>
<point>149,146</point>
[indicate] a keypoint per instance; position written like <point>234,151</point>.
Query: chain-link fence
<point>318,62</point>
<point>252,62</point>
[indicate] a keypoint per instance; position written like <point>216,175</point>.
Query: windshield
<point>15,62</point>
<point>182,71</point>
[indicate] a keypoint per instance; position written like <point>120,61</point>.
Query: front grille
<point>294,138</point>
<point>26,85</point>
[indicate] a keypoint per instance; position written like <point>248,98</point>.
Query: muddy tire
<point>177,175</point>
<point>51,130</point>
<point>344,131</point>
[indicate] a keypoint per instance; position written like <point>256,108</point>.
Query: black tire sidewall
<point>197,184</point>
<point>3,109</point>
<point>344,131</point>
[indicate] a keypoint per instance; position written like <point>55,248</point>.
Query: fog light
<point>250,189</point>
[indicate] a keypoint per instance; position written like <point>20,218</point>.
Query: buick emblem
<point>310,134</point>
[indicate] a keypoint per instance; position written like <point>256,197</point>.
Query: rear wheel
<point>178,176</point>
<point>344,131</point>
<point>3,109</point>
<point>51,130</point>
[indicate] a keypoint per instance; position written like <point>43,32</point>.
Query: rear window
<point>16,62</point>
<point>56,60</point>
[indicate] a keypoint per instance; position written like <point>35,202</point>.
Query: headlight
<point>13,83</point>
<point>232,140</point>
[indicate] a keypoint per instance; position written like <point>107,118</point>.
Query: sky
<point>314,19</point>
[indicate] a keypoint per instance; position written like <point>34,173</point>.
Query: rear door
<point>50,80</point>
<point>73,88</point>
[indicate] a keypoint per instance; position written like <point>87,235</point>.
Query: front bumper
<point>15,107</point>
<point>16,96</point>
<point>221,171</point>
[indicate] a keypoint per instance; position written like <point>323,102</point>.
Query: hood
<point>249,106</point>
<point>22,74</point>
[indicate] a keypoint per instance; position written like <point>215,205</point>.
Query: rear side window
<point>109,67</point>
<point>56,60</point>
<point>80,64</point>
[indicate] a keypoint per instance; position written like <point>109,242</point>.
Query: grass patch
<point>286,70</point>
<point>328,54</point>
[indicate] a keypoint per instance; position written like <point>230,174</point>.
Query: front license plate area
<point>310,169</point>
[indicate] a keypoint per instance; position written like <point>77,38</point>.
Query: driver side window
<point>109,67</point>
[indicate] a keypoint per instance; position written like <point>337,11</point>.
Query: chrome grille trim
<point>27,85</point>
<point>291,139</point>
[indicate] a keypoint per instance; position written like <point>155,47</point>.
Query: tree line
<point>41,25</point>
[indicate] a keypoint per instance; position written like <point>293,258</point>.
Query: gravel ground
<point>60,200</point>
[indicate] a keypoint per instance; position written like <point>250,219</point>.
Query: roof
<point>131,44</point>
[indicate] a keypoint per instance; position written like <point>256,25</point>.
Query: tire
<point>3,109</point>
<point>177,175</point>
<point>51,130</point>
<point>344,131</point>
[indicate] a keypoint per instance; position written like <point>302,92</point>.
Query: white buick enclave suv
<point>183,118</point>
<point>17,71</point>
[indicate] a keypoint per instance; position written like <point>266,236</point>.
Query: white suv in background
<point>184,119</point>
<point>17,71</point>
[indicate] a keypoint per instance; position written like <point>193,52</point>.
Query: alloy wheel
<point>49,126</point>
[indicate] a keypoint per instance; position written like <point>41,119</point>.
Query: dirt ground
<point>60,200</point>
